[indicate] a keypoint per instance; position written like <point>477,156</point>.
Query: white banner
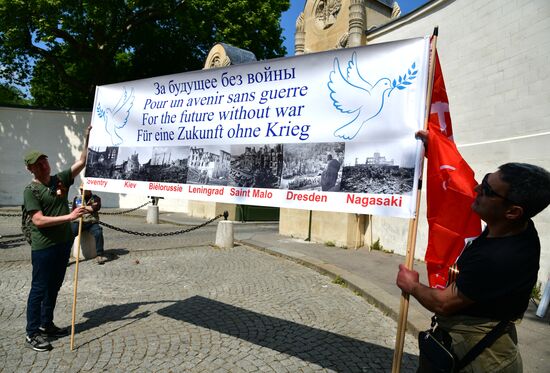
<point>330,131</point>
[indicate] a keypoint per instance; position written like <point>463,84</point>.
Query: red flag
<point>450,190</point>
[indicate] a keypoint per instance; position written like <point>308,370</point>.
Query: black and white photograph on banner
<point>209,165</point>
<point>379,167</point>
<point>312,166</point>
<point>256,165</point>
<point>161,164</point>
<point>167,165</point>
<point>101,162</point>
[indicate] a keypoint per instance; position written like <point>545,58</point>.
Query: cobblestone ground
<point>177,304</point>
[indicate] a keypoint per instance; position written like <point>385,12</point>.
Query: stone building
<point>333,24</point>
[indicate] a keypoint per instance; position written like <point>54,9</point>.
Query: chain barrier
<point>166,233</point>
<point>10,215</point>
<point>23,239</point>
<point>100,212</point>
<point>2,236</point>
<point>224,215</point>
<point>125,211</point>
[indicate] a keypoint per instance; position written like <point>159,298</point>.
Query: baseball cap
<point>32,156</point>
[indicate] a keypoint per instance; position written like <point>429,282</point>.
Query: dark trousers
<point>48,271</point>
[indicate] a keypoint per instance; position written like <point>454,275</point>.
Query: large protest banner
<point>330,131</point>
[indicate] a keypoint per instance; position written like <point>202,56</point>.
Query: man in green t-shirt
<point>45,199</point>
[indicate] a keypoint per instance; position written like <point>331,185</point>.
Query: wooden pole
<point>413,226</point>
<point>309,226</point>
<point>75,286</point>
<point>78,242</point>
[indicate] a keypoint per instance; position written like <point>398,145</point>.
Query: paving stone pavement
<point>178,304</point>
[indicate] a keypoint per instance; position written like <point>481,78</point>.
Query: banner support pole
<point>75,286</point>
<point>309,226</point>
<point>78,242</point>
<point>413,224</point>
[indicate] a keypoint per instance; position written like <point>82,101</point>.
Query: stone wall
<point>59,134</point>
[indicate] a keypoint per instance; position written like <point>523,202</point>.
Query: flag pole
<point>78,242</point>
<point>413,224</point>
<point>75,286</point>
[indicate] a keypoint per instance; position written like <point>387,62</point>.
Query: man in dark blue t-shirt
<point>497,270</point>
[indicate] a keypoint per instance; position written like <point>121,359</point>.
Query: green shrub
<point>376,245</point>
<point>536,292</point>
<point>339,281</point>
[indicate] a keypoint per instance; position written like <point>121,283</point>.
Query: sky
<point>288,18</point>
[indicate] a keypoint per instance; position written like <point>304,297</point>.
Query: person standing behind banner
<point>496,272</point>
<point>330,174</point>
<point>45,200</point>
<point>90,221</point>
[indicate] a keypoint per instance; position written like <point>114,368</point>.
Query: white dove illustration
<point>352,94</point>
<point>117,117</point>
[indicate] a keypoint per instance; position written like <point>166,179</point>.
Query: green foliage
<point>330,243</point>
<point>340,281</point>
<point>11,96</point>
<point>64,49</point>
<point>376,245</point>
<point>536,292</point>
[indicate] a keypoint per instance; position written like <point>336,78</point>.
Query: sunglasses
<point>488,191</point>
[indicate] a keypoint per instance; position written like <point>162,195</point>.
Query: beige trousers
<point>502,356</point>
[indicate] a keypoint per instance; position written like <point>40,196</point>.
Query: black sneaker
<point>53,331</point>
<point>37,343</point>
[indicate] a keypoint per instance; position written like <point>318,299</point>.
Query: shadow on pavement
<point>326,349</point>
<point>117,252</point>
<point>329,350</point>
<point>114,254</point>
<point>110,254</point>
<point>110,313</point>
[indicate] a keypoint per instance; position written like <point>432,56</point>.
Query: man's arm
<point>42,221</point>
<point>443,302</point>
<point>81,162</point>
<point>95,205</point>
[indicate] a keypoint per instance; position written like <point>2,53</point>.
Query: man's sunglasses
<point>488,191</point>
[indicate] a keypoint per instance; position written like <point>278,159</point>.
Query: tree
<point>11,96</point>
<point>63,49</point>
